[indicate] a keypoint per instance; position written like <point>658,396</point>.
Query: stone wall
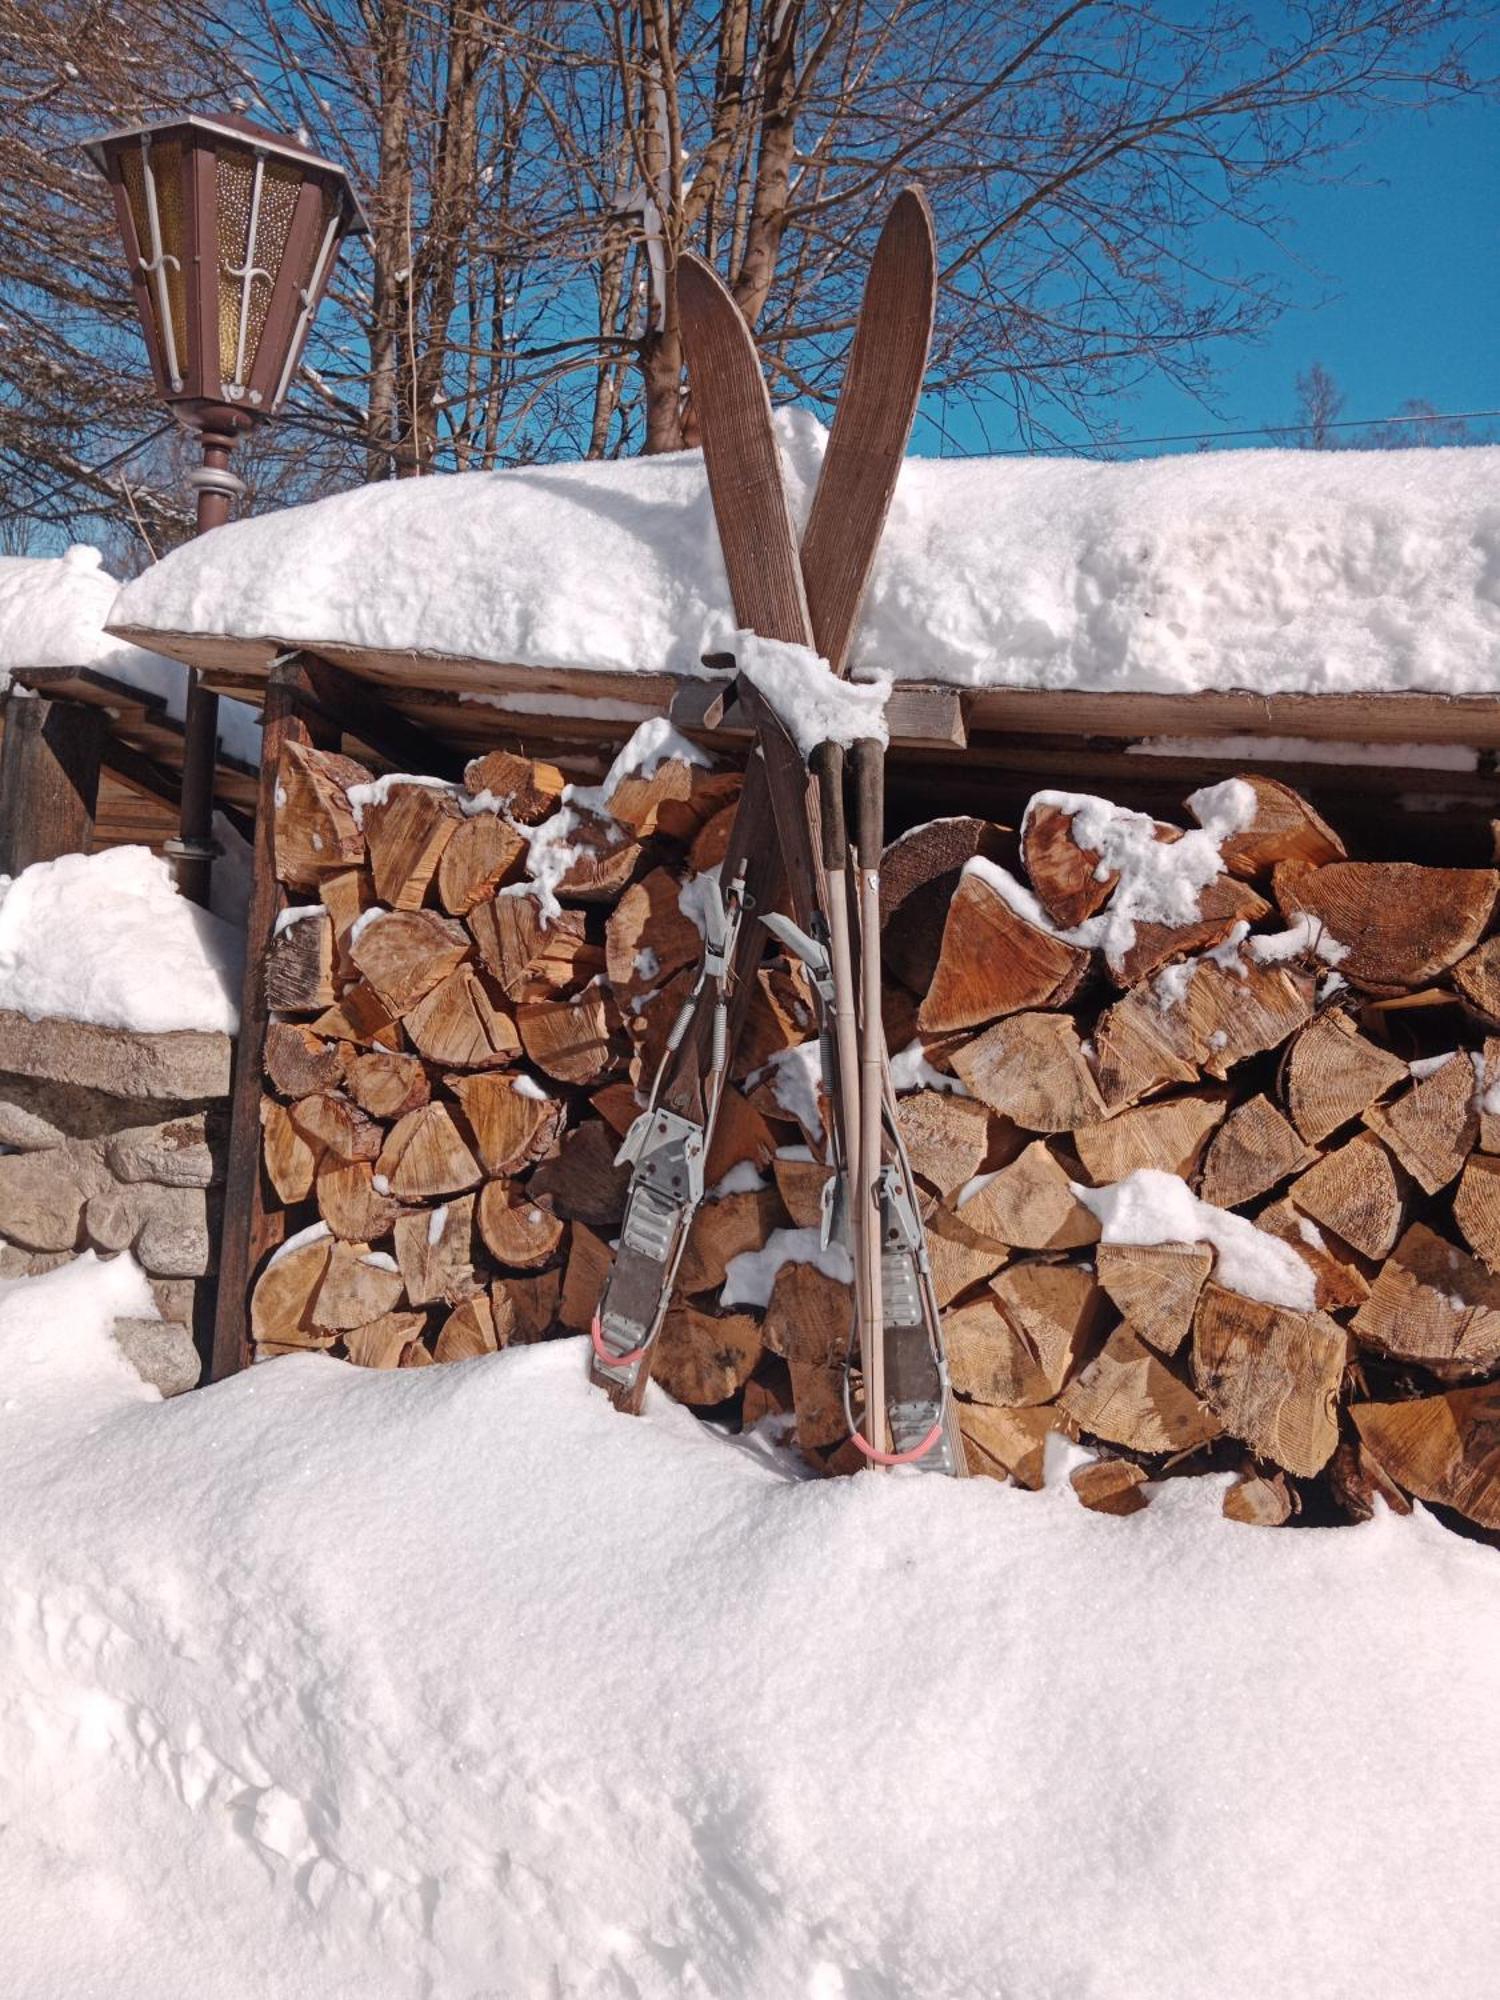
<point>113,1141</point>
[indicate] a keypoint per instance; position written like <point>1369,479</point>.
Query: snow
<point>744,1177</point>
<point>796,1076</point>
<point>1278,571</point>
<point>910,1070</point>
<point>315,1232</point>
<point>105,938</point>
<point>527,1086</point>
<point>1310,750</point>
<point>579,1735</point>
<point>1306,936</point>
<point>1149,1206</point>
<point>814,705</point>
<point>52,614</point>
<point>750,1277</point>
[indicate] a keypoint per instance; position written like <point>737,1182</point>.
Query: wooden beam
<point>142,773</point>
<point>357,709</point>
<point>254,1222</point>
<point>49,779</point>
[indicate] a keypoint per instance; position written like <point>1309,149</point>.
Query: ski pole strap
<point>607,1356</point>
<point>918,1451</point>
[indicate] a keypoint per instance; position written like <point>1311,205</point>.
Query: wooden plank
<point>1367,718</point>
<point>355,707</point>
<point>254,1222</point>
<point>49,779</point>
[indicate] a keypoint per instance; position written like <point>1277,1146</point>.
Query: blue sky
<point>1395,274</point>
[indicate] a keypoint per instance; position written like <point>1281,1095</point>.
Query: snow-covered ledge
<point>116,1020</point>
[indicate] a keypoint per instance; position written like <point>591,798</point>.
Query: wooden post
<point>49,779</point>
<point>254,1222</point>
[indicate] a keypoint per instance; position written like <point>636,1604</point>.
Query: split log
<point>781,1014</point>
<point>386,1084</point>
<point>701,1359</point>
<point>1169,1134</point>
<point>345,894</point>
<point>919,877</point>
<point>1156,1287</point>
<point>1110,1486</point>
<point>575,1040</point>
<point>800,1183</point>
<point>513,1120</point>
<point>350,1203</point>
<point>1222,904</point>
<point>291,1158</point>
<point>960,1257</point>
<point>298,1062</point>
<point>995,961</point>
<point>1070,880</point>
<point>1029,1205</point>
<point>359,1285</point>
<point>534,1298</point>
<point>1254,1149</point>
<point>1476,1208</point>
<point>1271,1376</point>
<point>1060,1310</point>
<point>603,861</point>
<point>1356,1481</point>
<point>525,954</point>
<point>359,1015</point>
<point>315,828</point>
<point>1488,1084</point>
<point>435,1252</point>
<point>281,1304</point>
<point>462,1023</point>
<point>331,1123</point>
<point>1210,1018</point>
<point>585,1278</point>
<point>424,1155</point>
<point>1434,1126</point>
<point>477,1326</point>
<point>299,964</point>
<point>637,801</point>
<point>648,937</point>
<point>711,842</point>
<point>384,1342</point>
<point>740,1135</point>
<point>722,1230</point>
<point>818,1400</point>
<point>1031,1069</point>
<point>1340,1281</point>
<point>1445,1449</point>
<point>709,793</point>
<point>1354,1191</point>
<point>810,1317</point>
<point>1009,1445</point>
<point>1259,1502</point>
<point>619,1105</point>
<point>1402,925</point>
<point>523,788</point>
<point>767,1396</point>
<point>406,833</point>
<point>1129,1396</point>
<point>648,1021</point>
<point>581,1179</point>
<point>1284,828</point>
<point>947,1138</point>
<point>1477,980</point>
<point>518,1232</point>
<point>989,1359</point>
<point>1332,1073</point>
<point>1434,1304</point>
<point>482,853</point>
<point>403,954</point>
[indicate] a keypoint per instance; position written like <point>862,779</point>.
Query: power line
<point>1211,437</point>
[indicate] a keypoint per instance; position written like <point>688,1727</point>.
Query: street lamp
<point>231,234</point>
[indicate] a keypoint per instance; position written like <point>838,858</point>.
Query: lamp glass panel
<point>166,173</point>
<point>272,217</point>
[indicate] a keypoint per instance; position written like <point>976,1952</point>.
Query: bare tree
<point>1320,404</point>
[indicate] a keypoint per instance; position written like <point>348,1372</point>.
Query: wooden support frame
<point>49,779</point>
<point>254,1222</point>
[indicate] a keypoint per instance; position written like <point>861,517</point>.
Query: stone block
<point>182,1067</point>
<point>161,1351</point>
<point>176,1237</point>
<point>177,1153</point>
<point>110,1220</point>
<point>175,1298</point>
<point>18,1263</point>
<point>42,1194</point>
<point>37,1112</point>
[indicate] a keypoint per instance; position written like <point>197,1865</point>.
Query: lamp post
<point>231,234</point>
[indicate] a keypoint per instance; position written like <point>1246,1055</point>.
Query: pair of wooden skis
<point>790,843</point>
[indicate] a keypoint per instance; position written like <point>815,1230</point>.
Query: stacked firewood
<point>1207,1120</point>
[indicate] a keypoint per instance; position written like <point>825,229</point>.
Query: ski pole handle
<point>869,800</point>
<point>828,767</point>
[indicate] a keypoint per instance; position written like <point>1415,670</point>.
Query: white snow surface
<point>1317,572</point>
<point>105,938</point>
<point>1022,1750</point>
<point>814,705</point>
<point>52,614</point>
<point>1150,1206</point>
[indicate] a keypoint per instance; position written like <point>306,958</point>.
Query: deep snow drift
<point>1272,570</point>
<point>330,1684</point>
<point>52,613</point>
<point>106,938</point>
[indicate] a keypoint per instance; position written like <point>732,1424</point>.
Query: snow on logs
<point>1205,1119</point>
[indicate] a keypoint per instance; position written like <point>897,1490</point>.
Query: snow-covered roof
<point>1276,571</point>
<point>52,614</point>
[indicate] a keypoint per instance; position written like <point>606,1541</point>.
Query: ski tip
<point>910,217</point>
<point>698,281</point>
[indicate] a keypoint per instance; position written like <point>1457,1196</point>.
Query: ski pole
<point>869,783</point>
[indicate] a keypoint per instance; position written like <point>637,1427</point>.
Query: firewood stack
<point>1207,1117</point>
